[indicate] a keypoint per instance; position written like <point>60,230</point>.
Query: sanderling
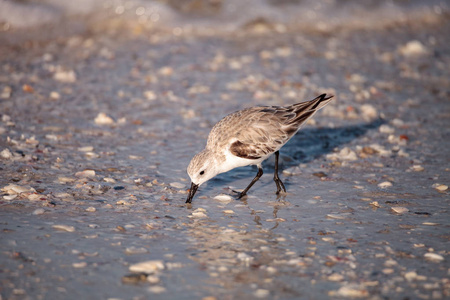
<point>248,137</point>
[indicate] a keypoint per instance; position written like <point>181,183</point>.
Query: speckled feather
<point>259,131</point>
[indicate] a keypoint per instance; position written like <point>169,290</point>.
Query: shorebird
<point>248,137</point>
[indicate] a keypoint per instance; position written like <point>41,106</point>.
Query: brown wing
<point>249,151</point>
<point>259,131</point>
<point>304,111</point>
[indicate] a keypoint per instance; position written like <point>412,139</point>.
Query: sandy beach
<point>103,105</point>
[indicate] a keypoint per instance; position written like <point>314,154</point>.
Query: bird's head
<point>202,168</point>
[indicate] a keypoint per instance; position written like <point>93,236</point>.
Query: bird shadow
<point>311,143</point>
<point>307,145</point>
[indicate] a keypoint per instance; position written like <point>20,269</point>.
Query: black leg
<point>258,175</point>
<point>278,182</point>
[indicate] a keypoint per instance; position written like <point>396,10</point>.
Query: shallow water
<point>366,213</point>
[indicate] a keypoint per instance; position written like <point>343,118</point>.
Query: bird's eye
<point>202,172</point>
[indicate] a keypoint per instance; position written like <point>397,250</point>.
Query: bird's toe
<point>240,195</point>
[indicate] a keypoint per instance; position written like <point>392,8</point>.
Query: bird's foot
<point>281,192</point>
<point>281,198</point>
<point>239,195</point>
<point>280,186</point>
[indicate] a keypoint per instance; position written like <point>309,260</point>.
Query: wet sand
<point>97,129</point>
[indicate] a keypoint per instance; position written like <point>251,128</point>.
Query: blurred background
<point>61,16</point>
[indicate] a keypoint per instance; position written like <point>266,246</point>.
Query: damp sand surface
<point>97,129</point>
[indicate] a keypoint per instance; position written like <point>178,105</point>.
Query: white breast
<point>232,161</point>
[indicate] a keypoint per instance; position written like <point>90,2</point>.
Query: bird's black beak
<point>192,191</point>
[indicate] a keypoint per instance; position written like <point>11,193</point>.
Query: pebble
<point>86,149</point>
<point>150,95</point>
<point>177,185</point>
<point>32,141</point>
<point>223,197</point>
<point>68,76</point>
<point>390,263</point>
<point>165,71</point>
<point>410,276</point>
<point>135,157</point>
<point>336,217</point>
<point>385,184</point>
<point>65,180</point>
<point>6,154</point>
<point>27,88</point>
<point>417,168</point>
<point>19,292</point>
<point>430,224</point>
<point>62,227</point>
<point>90,209</point>
<point>321,175</point>
<point>134,278</point>
<point>10,197</point>
<point>156,289</point>
<point>123,202</point>
<point>228,211</point>
<point>380,150</point>
<point>335,277</point>
<point>397,122</point>
<point>433,257</point>
<point>62,195</point>
<point>6,92</point>
<point>350,291</point>
<point>147,267</point>
<point>244,257</point>
<point>17,189</point>
<point>261,293</point>
<point>136,250</point>
<point>85,174</point>
<point>276,220</point>
<point>375,204</point>
<point>283,51</point>
<point>413,48</point>
<point>198,89</point>
<point>199,214</point>
<point>399,210</point>
<point>440,187</point>
<point>153,279</point>
<point>129,226</point>
<point>344,154</point>
<point>54,95</point>
<point>103,119</point>
<point>292,171</point>
<point>38,211</point>
<point>386,129</point>
<point>79,265</point>
<point>369,111</point>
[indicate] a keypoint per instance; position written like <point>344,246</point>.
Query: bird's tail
<point>305,110</point>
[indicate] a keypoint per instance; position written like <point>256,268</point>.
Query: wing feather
<point>257,132</point>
